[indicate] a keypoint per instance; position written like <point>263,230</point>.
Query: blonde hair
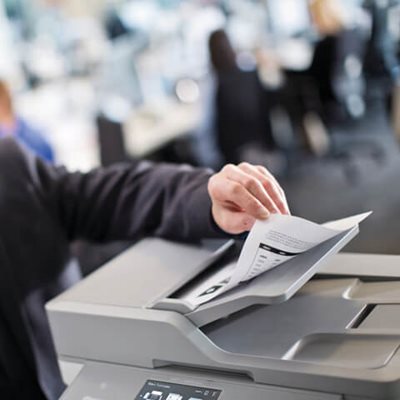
<point>328,16</point>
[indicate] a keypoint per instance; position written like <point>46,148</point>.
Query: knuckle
<point>250,183</point>
<point>264,181</point>
<point>236,189</point>
<point>244,164</point>
<point>228,168</point>
<point>263,169</point>
<point>255,207</point>
<point>268,184</point>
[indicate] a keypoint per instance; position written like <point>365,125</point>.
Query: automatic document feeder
<point>281,336</point>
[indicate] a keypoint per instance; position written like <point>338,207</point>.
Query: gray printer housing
<point>333,337</point>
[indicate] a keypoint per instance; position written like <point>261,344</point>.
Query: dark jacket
<point>42,209</point>
<point>31,137</point>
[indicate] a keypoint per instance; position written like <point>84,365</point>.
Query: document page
<point>269,244</point>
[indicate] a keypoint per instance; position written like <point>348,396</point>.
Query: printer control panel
<point>156,390</point>
<point>98,381</point>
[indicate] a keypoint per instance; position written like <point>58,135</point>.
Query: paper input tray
<point>272,287</point>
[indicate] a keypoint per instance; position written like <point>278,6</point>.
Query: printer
<point>322,326</point>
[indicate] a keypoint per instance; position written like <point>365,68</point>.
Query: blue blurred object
<point>31,138</point>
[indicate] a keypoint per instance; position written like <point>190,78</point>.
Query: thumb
<point>233,222</point>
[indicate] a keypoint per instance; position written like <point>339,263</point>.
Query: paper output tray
<point>274,286</point>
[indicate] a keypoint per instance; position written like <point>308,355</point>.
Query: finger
<point>268,174</point>
<point>236,193</point>
<point>271,186</point>
<point>264,171</point>
<point>253,186</point>
<point>273,189</point>
<point>234,222</point>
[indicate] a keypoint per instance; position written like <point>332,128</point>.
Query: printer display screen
<point>156,390</point>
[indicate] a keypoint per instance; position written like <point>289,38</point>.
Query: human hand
<point>242,194</point>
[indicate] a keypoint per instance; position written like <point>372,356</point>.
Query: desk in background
<point>148,129</point>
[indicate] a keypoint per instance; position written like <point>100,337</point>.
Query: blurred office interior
<point>308,88</point>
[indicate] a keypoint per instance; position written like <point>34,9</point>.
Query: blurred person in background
<point>14,126</point>
<point>241,116</point>
<point>337,40</point>
<point>331,88</point>
<point>328,16</point>
<point>382,58</point>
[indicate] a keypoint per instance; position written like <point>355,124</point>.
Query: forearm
<point>126,202</point>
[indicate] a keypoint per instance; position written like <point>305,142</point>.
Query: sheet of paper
<point>269,244</point>
<point>282,237</point>
<point>347,223</point>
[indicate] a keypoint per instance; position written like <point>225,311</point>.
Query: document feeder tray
<point>272,287</point>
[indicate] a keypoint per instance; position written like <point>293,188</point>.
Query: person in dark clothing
<point>241,109</point>
<point>43,208</point>
<point>381,62</point>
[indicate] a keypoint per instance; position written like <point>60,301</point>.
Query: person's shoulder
<point>10,147</point>
<point>13,153</point>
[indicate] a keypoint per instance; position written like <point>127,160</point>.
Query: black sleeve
<point>126,201</point>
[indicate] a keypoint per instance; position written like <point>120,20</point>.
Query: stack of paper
<point>269,244</point>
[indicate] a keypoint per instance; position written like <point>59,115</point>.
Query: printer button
<point>154,395</point>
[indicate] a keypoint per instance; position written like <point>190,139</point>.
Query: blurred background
<point>308,88</point>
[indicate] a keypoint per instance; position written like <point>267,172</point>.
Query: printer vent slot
<point>215,373</point>
<point>362,316</point>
